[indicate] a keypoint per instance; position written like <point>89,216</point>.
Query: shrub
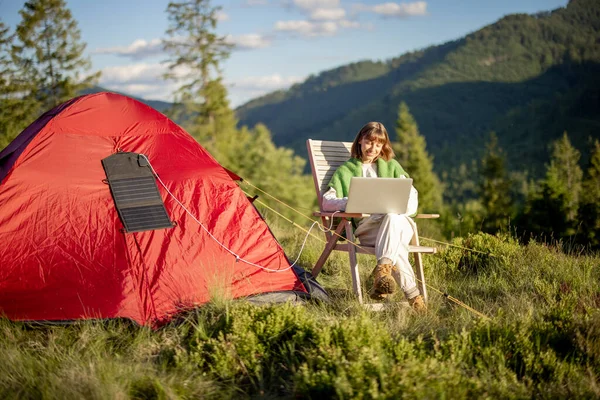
<point>485,253</point>
<point>252,345</point>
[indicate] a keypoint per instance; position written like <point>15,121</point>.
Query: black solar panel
<point>135,193</point>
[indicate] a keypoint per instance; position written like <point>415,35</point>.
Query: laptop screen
<point>379,195</point>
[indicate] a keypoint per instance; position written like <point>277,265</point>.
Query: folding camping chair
<point>325,157</point>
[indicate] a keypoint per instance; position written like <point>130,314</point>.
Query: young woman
<point>372,156</point>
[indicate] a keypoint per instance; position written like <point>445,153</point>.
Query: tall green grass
<point>542,338</point>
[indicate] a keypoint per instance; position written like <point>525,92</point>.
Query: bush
<point>481,253</point>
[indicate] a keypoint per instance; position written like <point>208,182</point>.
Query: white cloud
<point>159,91</point>
<point>141,80</point>
<point>307,28</point>
<point>390,9</point>
<point>251,3</point>
<point>245,89</point>
<point>321,10</point>
<point>249,41</point>
<point>351,24</point>
<point>327,13</point>
<point>139,73</point>
<point>222,16</point>
<point>145,80</point>
<point>313,4</point>
<point>264,83</point>
<point>142,49</point>
<point>137,50</point>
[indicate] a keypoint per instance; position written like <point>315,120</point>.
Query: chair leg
<point>353,262</point>
<point>419,266</point>
<point>327,251</point>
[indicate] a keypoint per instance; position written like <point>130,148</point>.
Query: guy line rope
<point>314,222</point>
<point>237,257</point>
<point>446,295</point>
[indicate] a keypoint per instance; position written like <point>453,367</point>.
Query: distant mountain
<point>156,104</point>
<point>526,77</point>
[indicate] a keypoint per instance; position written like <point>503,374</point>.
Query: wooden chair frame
<point>325,157</point>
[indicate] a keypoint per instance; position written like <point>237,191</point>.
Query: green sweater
<point>340,180</point>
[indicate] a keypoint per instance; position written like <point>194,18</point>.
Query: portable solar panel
<point>135,193</point>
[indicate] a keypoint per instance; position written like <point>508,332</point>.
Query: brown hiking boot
<point>418,303</point>
<point>383,282</point>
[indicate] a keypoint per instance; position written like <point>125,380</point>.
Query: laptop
<point>378,195</point>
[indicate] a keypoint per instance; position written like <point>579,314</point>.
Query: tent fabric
<point>64,253</point>
<point>9,155</point>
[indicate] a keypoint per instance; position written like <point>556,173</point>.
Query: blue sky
<point>278,42</point>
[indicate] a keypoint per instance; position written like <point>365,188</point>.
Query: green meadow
<point>540,337</point>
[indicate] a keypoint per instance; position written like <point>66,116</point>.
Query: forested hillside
<point>529,78</point>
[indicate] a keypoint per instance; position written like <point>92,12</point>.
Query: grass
<point>542,338</point>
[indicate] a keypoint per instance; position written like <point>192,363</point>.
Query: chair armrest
<point>358,215</point>
<point>427,216</point>
<point>339,214</point>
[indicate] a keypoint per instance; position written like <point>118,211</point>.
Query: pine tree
<point>411,152</point>
<point>564,176</point>
<point>276,170</point>
<point>203,109</point>
<point>49,54</point>
<point>494,188</point>
<point>589,210</point>
<point>552,208</point>
<point>463,212</point>
<point>15,111</point>
<point>7,88</point>
<point>196,52</point>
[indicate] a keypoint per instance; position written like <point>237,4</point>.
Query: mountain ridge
<point>459,91</point>
<point>158,105</point>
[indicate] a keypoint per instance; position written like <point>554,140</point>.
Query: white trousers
<point>391,235</point>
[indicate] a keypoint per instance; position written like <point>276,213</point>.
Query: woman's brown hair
<point>374,131</point>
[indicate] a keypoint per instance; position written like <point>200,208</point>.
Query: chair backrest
<point>325,157</point>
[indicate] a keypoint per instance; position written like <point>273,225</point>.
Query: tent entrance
<point>135,193</point>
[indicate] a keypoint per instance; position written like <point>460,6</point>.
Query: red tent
<point>65,253</point>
